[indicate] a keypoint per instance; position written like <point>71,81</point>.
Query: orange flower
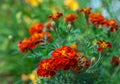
<point>36,28</point>
<point>112,24</point>
<point>71,18</point>
<point>25,45</point>
<point>62,58</point>
<point>103,45</point>
<point>96,18</point>
<point>115,61</point>
<point>45,68</point>
<point>39,38</point>
<point>86,10</point>
<point>55,16</point>
<point>64,51</point>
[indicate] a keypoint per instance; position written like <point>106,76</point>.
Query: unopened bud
<point>69,27</point>
<point>93,59</point>
<point>10,37</point>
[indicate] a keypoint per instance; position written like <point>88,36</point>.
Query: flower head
<point>64,51</point>
<point>112,24</point>
<point>115,61</point>
<point>25,45</point>
<point>36,28</point>
<point>96,18</point>
<point>103,45</point>
<point>55,16</point>
<point>45,68</point>
<point>86,10</point>
<point>39,38</point>
<point>62,58</point>
<point>71,18</point>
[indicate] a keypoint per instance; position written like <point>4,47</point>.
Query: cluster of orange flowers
<point>38,37</point>
<point>64,58</point>
<point>98,19</point>
<point>68,18</point>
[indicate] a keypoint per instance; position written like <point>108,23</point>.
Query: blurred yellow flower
<point>72,4</point>
<point>33,77</point>
<point>34,3</point>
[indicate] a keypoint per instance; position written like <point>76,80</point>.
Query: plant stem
<point>96,61</point>
<point>115,72</point>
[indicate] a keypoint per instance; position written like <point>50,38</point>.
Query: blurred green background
<point>16,16</point>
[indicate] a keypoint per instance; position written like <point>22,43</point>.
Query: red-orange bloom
<point>36,28</point>
<point>55,16</point>
<point>112,24</point>
<point>86,10</point>
<point>103,45</point>
<point>39,38</point>
<point>71,18</point>
<point>115,61</point>
<point>45,68</point>
<point>25,45</point>
<point>96,18</point>
<point>64,51</point>
<point>62,58</point>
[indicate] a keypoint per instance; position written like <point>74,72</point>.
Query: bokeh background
<point>16,16</point>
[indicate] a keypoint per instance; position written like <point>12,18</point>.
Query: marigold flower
<point>55,16</point>
<point>45,68</point>
<point>103,45</point>
<point>112,24</point>
<point>64,51</point>
<point>25,45</point>
<point>72,4</point>
<point>39,38</point>
<point>71,18</point>
<point>62,58</point>
<point>86,10</point>
<point>115,61</point>
<point>36,28</point>
<point>96,18</point>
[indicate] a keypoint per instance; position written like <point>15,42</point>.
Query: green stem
<point>115,72</point>
<point>96,62</point>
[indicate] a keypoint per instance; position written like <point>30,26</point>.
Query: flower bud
<point>69,26</point>
<point>10,37</point>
